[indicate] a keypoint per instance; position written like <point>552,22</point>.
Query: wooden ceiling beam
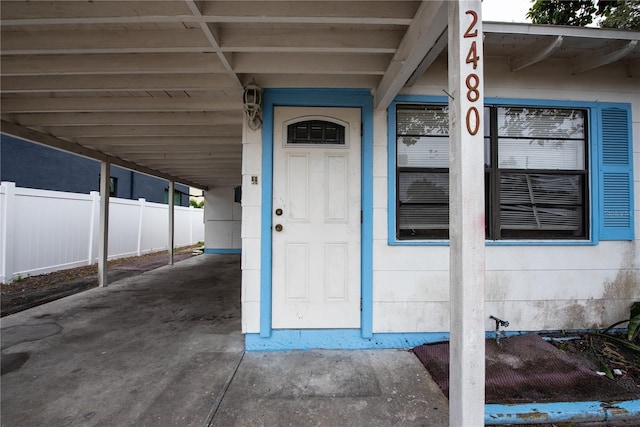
<point>24,11</point>
<point>68,41</point>
<point>429,58</point>
<point>116,119</point>
<point>111,64</point>
<point>119,83</point>
<point>328,12</point>
<point>302,63</point>
<point>212,34</point>
<point>134,149</point>
<point>313,12</point>
<point>183,142</point>
<point>183,157</point>
<point>144,130</point>
<point>534,53</point>
<point>606,55</point>
<point>314,39</point>
<point>425,29</point>
<point>121,104</point>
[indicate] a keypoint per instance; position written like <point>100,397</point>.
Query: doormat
<point>526,369</point>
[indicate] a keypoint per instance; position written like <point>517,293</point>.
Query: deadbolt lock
<point>278,211</point>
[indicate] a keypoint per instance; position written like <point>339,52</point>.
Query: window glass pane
<point>423,221</point>
<point>487,122</point>
<point>423,210</point>
<point>422,120</point>
<point>553,189</point>
<point>423,187</point>
<point>315,132</point>
<point>301,132</point>
<point>540,122</point>
<point>487,152</point>
<point>550,203</point>
<point>427,152</point>
<point>541,154</point>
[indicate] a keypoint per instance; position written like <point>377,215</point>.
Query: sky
<point>505,10</point>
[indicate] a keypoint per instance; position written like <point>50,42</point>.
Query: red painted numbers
<point>472,81</point>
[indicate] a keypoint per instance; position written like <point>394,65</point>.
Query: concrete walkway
<point>164,348</point>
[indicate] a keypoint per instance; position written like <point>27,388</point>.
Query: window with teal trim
<point>536,172</point>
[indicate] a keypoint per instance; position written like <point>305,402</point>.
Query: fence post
<point>7,229</point>
<point>143,205</point>
<point>95,206</point>
<point>191,212</point>
<point>171,208</point>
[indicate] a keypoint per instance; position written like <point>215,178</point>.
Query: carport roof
<point>157,85</point>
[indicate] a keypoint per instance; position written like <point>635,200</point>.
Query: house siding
<point>533,285</point>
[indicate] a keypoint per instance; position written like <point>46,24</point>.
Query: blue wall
<point>36,166</point>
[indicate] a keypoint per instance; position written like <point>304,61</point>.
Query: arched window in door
<point>316,132</point>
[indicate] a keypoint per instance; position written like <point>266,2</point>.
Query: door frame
<point>354,98</point>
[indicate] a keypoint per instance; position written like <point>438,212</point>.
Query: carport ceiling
<point>157,85</point>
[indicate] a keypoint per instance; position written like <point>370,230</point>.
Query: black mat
<point>526,369</point>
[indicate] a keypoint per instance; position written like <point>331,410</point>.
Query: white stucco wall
<point>534,287</point>
<point>222,218</point>
<point>251,231</point>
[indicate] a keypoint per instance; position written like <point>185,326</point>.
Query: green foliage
<point>634,322</point>
<point>633,330</point>
<point>196,204</point>
<point>577,13</point>
<point>626,16</point>
<point>617,14</point>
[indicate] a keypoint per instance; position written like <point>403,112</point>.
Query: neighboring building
<point>37,166</point>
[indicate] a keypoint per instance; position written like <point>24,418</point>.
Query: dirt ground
<point>603,354</point>
<point>32,291</point>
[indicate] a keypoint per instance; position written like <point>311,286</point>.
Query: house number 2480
<point>472,80</point>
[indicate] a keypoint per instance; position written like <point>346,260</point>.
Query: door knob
<point>278,227</point>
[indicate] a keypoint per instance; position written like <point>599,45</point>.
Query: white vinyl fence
<point>43,231</point>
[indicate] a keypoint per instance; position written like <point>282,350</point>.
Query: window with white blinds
<point>535,164</point>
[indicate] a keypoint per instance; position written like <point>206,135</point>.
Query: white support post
<point>103,232</point>
<point>93,227</point>
<point>191,215</point>
<point>466,214</point>
<point>171,222</point>
<point>7,230</point>
<point>143,206</point>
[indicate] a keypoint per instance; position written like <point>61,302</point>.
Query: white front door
<point>316,218</point>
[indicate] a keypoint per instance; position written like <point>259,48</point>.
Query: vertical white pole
<point>103,232</point>
<point>93,227</point>
<point>143,205</point>
<point>7,227</point>
<point>466,214</point>
<point>171,221</point>
<point>191,217</point>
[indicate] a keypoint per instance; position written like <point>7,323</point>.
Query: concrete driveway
<point>164,348</point>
